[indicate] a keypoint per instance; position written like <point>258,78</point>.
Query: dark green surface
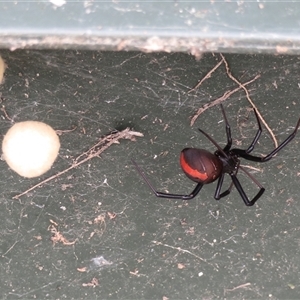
<point>100,91</point>
<point>188,26</point>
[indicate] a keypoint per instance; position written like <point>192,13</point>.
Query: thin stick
<point>5,113</point>
<point>249,99</point>
<point>181,250</point>
<point>206,76</point>
<point>219,100</point>
<point>106,142</point>
<point>242,286</point>
<point>252,168</point>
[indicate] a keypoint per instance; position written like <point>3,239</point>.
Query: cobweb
<point>97,231</point>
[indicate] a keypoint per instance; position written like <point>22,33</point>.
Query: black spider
<point>204,167</point>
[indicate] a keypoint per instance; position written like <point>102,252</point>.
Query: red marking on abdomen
<point>190,171</point>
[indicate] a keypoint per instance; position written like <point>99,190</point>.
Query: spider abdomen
<point>200,165</point>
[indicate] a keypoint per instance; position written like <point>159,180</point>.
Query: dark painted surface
<point>152,248</point>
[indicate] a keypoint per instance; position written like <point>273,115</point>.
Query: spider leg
<point>192,195</point>
<point>244,154</point>
<point>257,135</point>
<point>228,130</point>
<point>214,142</point>
<point>218,194</point>
<point>241,191</point>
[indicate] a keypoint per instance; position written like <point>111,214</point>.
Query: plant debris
<point>103,144</point>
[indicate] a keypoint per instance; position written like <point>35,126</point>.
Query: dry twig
<point>58,237</point>
<point>182,250</point>
<point>249,99</point>
<point>5,113</point>
<point>242,286</point>
<point>208,75</point>
<point>60,132</point>
<point>94,151</point>
<point>219,100</point>
<point>93,283</point>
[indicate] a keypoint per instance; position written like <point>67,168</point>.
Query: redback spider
<point>204,167</point>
